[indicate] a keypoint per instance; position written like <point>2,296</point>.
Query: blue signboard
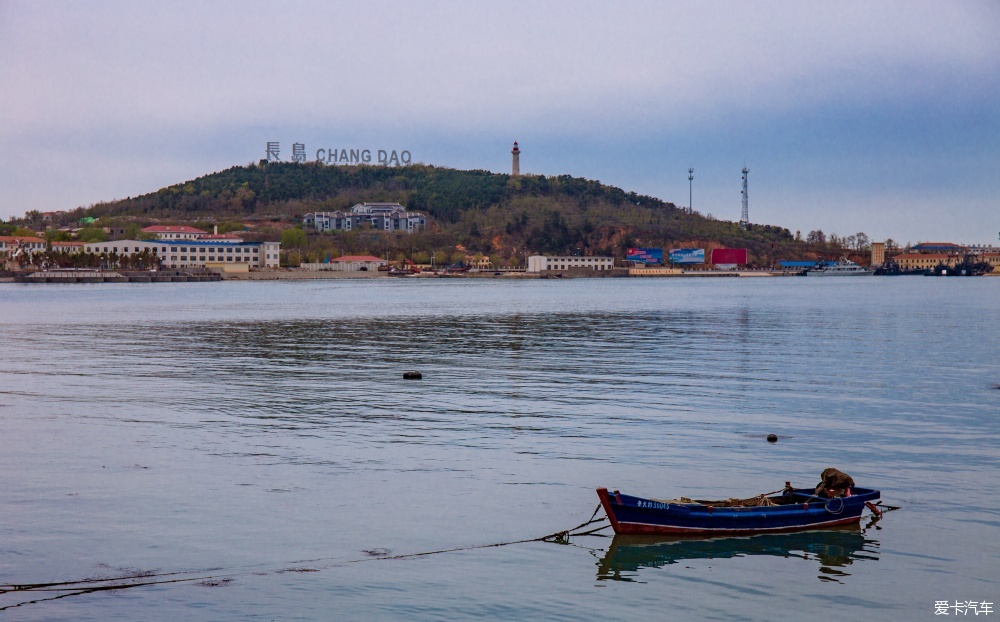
<point>687,255</point>
<point>644,255</point>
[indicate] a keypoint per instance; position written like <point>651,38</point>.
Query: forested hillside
<point>470,212</point>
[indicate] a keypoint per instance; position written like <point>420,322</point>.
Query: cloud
<point>618,92</point>
<point>465,63</point>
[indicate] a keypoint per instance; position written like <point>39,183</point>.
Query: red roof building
<point>26,242</point>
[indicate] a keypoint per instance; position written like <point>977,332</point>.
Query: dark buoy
<point>772,438</point>
<point>412,375</point>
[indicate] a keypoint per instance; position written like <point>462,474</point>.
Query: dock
<point>99,276</point>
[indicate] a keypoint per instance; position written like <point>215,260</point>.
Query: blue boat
<point>795,509</point>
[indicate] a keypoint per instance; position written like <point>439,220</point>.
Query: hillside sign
<point>341,156</point>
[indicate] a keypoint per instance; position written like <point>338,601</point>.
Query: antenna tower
<point>745,218</point>
<point>690,182</point>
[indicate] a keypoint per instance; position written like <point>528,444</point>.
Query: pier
<point>98,276</point>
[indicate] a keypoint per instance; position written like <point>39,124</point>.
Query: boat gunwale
<point>709,514</point>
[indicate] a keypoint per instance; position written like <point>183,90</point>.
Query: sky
<point>875,117</point>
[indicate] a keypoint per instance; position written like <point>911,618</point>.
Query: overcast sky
<point>882,117</point>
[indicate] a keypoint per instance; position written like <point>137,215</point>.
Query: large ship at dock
<point>844,267</point>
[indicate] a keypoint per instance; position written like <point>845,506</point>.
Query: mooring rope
<point>140,579</point>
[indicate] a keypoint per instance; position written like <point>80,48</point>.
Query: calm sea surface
<point>258,440</point>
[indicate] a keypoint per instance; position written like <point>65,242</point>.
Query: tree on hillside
<point>816,237</point>
<point>293,238</point>
<point>54,235</point>
<point>93,234</point>
<point>229,227</point>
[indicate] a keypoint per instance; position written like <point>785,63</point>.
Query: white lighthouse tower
<point>515,165</point>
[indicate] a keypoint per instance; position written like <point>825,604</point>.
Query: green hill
<point>470,212</point>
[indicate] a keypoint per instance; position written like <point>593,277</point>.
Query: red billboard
<point>729,255</point>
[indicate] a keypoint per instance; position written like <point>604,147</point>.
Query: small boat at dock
<point>794,509</point>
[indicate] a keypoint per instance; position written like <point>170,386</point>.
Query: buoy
<point>772,438</point>
<point>412,375</point>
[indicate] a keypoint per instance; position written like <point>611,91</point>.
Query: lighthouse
<point>515,164</point>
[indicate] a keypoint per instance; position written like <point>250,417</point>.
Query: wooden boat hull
<point>641,516</point>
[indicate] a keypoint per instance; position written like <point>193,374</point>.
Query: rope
<point>773,492</point>
<point>87,586</point>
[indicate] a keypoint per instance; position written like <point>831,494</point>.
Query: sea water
<point>256,442</point>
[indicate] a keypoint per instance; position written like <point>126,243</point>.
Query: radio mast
<point>745,218</point>
<point>690,182</point>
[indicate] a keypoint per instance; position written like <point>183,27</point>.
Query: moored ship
<point>844,267</point>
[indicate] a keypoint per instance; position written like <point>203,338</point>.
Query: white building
<point>68,247</point>
<point>221,237</point>
<point>381,216</point>
<point>540,263</point>
<point>328,221</point>
<point>357,263</point>
<point>174,232</point>
<point>196,253</point>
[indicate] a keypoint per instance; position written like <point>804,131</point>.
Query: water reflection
<point>833,549</point>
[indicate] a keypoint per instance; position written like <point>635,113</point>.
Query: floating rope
<point>141,579</point>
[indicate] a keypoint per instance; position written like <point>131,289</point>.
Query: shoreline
<point>309,275</point>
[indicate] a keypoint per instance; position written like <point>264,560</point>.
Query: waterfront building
<point>938,247</point>
<point>196,253</point>
<point>221,237</point>
<point>174,232</point>
<point>478,261</point>
<point>67,247</point>
<point>540,263</point>
<point>982,249</point>
<point>924,261</point>
<point>356,263</point>
<point>878,253</point>
<point>10,244</point>
<point>381,216</point>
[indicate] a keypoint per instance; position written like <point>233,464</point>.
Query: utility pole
<point>745,218</point>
